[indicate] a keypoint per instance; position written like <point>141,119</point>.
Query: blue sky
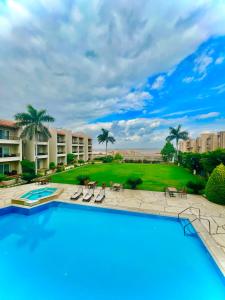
<point>133,67</point>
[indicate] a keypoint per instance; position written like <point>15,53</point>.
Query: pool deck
<point>148,202</point>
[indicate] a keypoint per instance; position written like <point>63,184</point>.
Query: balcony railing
<point>61,141</point>
<point>42,153</point>
<point>10,155</point>
<point>9,137</point>
<point>61,152</point>
<point>42,140</point>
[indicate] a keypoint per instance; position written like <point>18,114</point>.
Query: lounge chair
<point>101,195</point>
<point>87,197</point>
<point>77,194</point>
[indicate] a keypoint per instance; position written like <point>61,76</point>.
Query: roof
<point>8,123</point>
<point>62,132</point>
<point>78,134</point>
<point>81,135</point>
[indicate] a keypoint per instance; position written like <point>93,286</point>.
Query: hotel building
<point>10,148</point>
<point>13,149</point>
<point>204,143</point>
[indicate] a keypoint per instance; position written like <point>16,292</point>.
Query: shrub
<point>196,186</point>
<point>82,178</point>
<point>28,176</point>
<point>2,177</point>
<point>70,158</point>
<point>107,159</point>
<point>60,168</point>
<point>28,166</point>
<point>118,156</point>
<point>212,159</point>
<point>81,161</point>
<point>52,165</point>
<point>133,182</point>
<point>215,188</point>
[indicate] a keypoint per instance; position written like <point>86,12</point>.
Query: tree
<point>32,123</point>
<point>215,188</point>
<point>104,137</point>
<point>168,152</point>
<point>70,158</point>
<point>177,135</point>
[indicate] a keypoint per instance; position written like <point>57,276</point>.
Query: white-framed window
<point>4,134</point>
<point>4,168</point>
<point>4,151</point>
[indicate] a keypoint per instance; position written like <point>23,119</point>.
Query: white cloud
<point>182,112</point>
<point>81,61</point>
<point>220,88</point>
<point>202,62</point>
<point>219,60</point>
<point>158,83</point>
<point>207,116</point>
<point>188,79</point>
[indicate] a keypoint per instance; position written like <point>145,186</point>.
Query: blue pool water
<point>70,252</point>
<point>38,193</point>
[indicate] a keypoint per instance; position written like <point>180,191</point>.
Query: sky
<point>133,67</point>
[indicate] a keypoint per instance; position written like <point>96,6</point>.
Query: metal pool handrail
<point>188,208</point>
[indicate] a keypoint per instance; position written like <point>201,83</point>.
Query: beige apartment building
<point>204,143</point>
<point>13,149</point>
<point>10,148</point>
<point>65,141</point>
<point>42,151</point>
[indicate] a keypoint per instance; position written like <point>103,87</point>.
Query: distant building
<point>204,143</point>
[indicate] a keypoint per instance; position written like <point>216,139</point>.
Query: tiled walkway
<point>152,202</point>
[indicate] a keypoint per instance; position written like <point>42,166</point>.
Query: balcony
<point>9,139</point>
<point>74,141</point>
<point>42,154</point>
<point>10,157</point>
<point>61,141</point>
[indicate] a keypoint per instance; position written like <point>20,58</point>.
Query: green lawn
<point>155,176</point>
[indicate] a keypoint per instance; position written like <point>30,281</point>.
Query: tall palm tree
<point>104,137</point>
<point>177,135</point>
<point>32,123</point>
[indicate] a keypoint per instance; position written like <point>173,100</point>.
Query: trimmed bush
<point>107,159</point>
<point>133,182</point>
<point>196,186</point>
<point>82,178</point>
<point>81,161</point>
<point>52,165</point>
<point>70,158</point>
<point>27,166</point>
<point>118,156</point>
<point>215,188</point>
<point>2,177</point>
<point>28,177</point>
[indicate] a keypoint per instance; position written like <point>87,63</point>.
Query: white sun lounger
<point>101,195</point>
<point>87,197</point>
<point>77,194</point>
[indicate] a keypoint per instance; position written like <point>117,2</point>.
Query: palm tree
<point>32,124</point>
<point>177,135</point>
<point>104,137</point>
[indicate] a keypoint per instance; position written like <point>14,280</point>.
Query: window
<point>4,151</point>
<point>4,168</point>
<point>4,134</point>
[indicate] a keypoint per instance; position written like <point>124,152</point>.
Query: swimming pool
<point>39,193</point>
<point>74,252</point>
